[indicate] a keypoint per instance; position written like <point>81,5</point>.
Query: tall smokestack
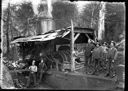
<point>45,16</point>
<point>101,27</point>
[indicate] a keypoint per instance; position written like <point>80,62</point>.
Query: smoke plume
<point>49,4</point>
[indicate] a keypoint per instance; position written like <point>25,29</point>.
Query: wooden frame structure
<point>73,34</point>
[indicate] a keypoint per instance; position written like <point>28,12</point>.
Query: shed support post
<point>72,48</point>
<point>76,36</point>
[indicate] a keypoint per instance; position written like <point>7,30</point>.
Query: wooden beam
<point>95,36</point>
<point>87,36</point>
<point>83,31</point>
<point>76,36</point>
<point>72,47</point>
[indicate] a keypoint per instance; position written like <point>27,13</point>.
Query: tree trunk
<point>7,35</point>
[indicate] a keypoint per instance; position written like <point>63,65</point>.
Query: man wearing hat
<point>111,58</point>
<point>88,49</point>
<point>32,74</point>
<point>96,55</point>
<point>41,70</point>
<point>104,54</point>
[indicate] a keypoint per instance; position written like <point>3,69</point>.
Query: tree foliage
<point>114,19</point>
<point>41,8</point>
<point>15,18</point>
<point>63,12</point>
<point>90,15</point>
<point>114,22</point>
<point>22,14</point>
<point>19,15</point>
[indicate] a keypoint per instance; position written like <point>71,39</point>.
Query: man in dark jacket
<point>112,51</point>
<point>88,52</point>
<point>96,55</point>
<point>42,69</point>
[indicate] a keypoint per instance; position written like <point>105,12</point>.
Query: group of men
<point>36,73</point>
<point>101,56</point>
<point>95,53</point>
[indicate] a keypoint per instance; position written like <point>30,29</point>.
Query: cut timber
<point>76,36</point>
<point>87,36</point>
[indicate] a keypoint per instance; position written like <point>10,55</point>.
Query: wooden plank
<point>83,31</point>
<point>76,36</point>
<point>87,36</point>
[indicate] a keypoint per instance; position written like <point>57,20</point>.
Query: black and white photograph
<point>62,45</point>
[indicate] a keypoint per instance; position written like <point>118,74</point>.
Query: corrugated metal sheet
<point>44,37</point>
<point>61,33</point>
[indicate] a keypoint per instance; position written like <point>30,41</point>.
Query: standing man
<point>96,55</point>
<point>42,69</point>
<point>104,54</point>
<point>88,52</point>
<point>32,74</point>
<point>111,58</point>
